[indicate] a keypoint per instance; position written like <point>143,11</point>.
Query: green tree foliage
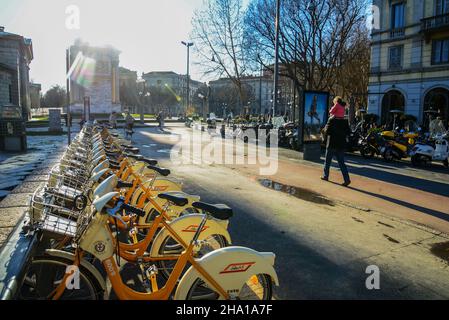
<point>55,97</point>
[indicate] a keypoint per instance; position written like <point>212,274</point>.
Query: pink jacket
<point>337,111</point>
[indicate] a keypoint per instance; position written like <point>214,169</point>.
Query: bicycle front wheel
<point>45,274</point>
<point>257,287</point>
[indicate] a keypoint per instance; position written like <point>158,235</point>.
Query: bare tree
<point>228,95</point>
<point>315,38</point>
<point>353,74</point>
<point>218,34</point>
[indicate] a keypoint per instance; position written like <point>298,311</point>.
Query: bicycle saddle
<point>161,171</point>
<point>112,154</point>
<point>114,166</point>
<point>134,156</point>
<point>177,198</point>
<point>218,211</point>
<point>133,150</point>
<point>124,184</point>
<point>151,162</point>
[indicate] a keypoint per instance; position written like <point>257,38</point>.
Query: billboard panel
<point>316,110</point>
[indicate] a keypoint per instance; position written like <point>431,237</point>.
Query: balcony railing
<point>435,22</point>
<point>397,32</point>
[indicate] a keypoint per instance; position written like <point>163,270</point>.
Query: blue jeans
<point>340,155</point>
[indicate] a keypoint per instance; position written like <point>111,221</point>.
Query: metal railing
<point>435,22</point>
<point>397,32</point>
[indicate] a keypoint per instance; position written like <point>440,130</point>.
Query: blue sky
<point>147,32</point>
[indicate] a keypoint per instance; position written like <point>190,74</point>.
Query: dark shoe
<point>346,183</point>
<point>324,178</point>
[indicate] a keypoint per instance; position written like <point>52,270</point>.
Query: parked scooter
<point>371,145</point>
<point>355,138</point>
<point>397,146</point>
<point>435,149</point>
<point>285,133</point>
<point>293,138</point>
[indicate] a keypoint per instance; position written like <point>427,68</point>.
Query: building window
<point>395,61</point>
<point>440,51</point>
<point>442,7</point>
<point>397,15</point>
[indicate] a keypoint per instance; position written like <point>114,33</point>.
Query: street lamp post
<point>260,86</point>
<point>223,107</point>
<point>69,116</point>
<point>204,109</point>
<point>276,58</point>
<point>142,96</point>
<point>188,45</point>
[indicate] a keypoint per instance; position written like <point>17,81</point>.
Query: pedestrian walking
<point>129,125</point>
<point>160,120</point>
<point>82,122</point>
<point>113,120</point>
<point>336,133</point>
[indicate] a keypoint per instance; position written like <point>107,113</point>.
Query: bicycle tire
<point>261,283</point>
<point>47,263</point>
<point>165,265</point>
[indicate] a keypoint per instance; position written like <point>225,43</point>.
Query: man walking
<point>336,131</point>
<point>113,120</point>
<point>160,120</point>
<point>129,125</point>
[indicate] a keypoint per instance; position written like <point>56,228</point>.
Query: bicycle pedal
<point>151,270</point>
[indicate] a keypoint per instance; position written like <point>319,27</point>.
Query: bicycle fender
<point>108,185</point>
<point>98,167</point>
<point>96,176</point>
<point>186,227</point>
<point>89,267</point>
<point>231,268</point>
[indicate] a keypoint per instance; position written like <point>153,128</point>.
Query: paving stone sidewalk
<point>21,174</point>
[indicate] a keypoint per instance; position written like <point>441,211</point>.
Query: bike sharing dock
<point>22,174</point>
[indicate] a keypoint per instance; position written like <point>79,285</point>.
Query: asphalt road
<point>323,246</point>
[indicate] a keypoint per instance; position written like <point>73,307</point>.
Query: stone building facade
<point>258,90</point>
<point>260,95</point>
<point>16,54</point>
<point>94,74</point>
<point>6,84</point>
<point>410,59</point>
<point>129,97</point>
<point>35,95</point>
<point>176,83</point>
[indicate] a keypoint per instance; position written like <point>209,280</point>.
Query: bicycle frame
<point>98,232</point>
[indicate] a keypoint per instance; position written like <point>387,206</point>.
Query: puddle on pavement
<point>441,250</point>
<point>300,193</point>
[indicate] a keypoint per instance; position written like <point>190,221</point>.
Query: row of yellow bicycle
<point>105,207</point>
